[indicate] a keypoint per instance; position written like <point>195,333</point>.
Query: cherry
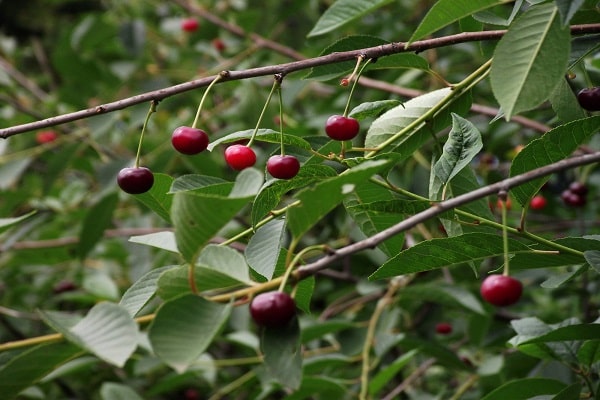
<point>538,202</point>
<point>573,199</point>
<point>45,137</point>
<point>219,44</point>
<point>187,140</point>
<point>239,157</point>
<point>135,180</point>
<point>443,328</point>
<point>578,188</point>
<point>339,127</point>
<point>589,98</point>
<point>501,290</point>
<point>272,309</point>
<point>189,25</point>
<point>64,286</point>
<point>283,167</point>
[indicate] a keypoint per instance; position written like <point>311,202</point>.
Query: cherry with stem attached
<point>282,166</point>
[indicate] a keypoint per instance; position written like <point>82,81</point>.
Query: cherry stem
<point>354,78</point>
<point>191,278</point>
<point>281,119</point>
<point>220,76</point>
<point>296,260</point>
<point>151,110</point>
<point>503,196</point>
<point>276,84</point>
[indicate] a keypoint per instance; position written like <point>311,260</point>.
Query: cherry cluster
<point>575,195</point>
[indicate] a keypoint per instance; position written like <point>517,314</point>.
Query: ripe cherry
<point>190,24</point>
<point>573,199</point>
<point>283,167</point>
<point>501,290</point>
<point>589,98</point>
<point>443,328</point>
<point>239,157</point>
<point>273,309</point>
<point>578,188</point>
<point>135,180</point>
<point>187,140</point>
<point>218,44</point>
<point>45,137</point>
<point>538,202</point>
<point>339,127</point>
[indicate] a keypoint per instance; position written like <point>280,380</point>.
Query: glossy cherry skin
<point>240,157</point>
<point>538,202</point>
<point>283,167</point>
<point>501,290</point>
<point>273,309</point>
<point>188,140</point>
<point>443,328</point>
<point>190,25</point>
<point>43,137</point>
<point>339,127</point>
<point>578,188</point>
<point>589,98</point>
<point>135,180</point>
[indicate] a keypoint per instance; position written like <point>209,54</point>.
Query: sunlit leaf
<point>343,12</point>
<point>161,240</point>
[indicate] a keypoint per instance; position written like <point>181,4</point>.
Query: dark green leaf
<point>343,12</point>
<point>263,135</point>
<point>523,389</point>
<point>158,198</point>
<point>372,109</point>
<point>567,9</point>
<point>283,354</point>
<point>97,219</point>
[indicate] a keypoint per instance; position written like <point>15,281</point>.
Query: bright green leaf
<point>161,240</point>
<point>589,352</point>
<point>386,374</point>
<point>530,60</point>
<point>343,12</point>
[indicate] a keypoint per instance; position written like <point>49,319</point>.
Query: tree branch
<point>283,69</point>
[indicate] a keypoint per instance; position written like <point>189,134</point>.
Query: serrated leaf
<point>272,191</point>
<point>567,9</point>
<point>107,331</point>
<point>446,252</point>
<point>117,391</point>
<point>372,109</point>
<point>283,354</point>
<point>557,144</point>
<point>395,120</point>
<point>158,198</point>
<point>184,327</point>
<point>29,367</point>
<point>446,12</point>
<point>343,12</point>
<point>97,219</point>
<point>264,247</point>
<point>523,389</point>
<point>7,223</point>
<point>160,240</point>
<point>530,60</point>
<point>463,144</point>
<point>138,294</point>
<point>262,135</point>
<point>319,200</point>
<point>562,259</point>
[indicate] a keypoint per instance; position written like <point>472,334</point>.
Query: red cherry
<point>443,328</point>
<point>45,137</point>
<point>344,82</point>
<point>578,188</point>
<point>219,44</point>
<point>187,140</point>
<point>573,199</point>
<point>589,98</point>
<point>339,127</point>
<point>283,167</point>
<point>64,286</point>
<point>501,290</point>
<point>190,24</point>
<point>273,309</point>
<point>135,180</point>
<point>239,157</point>
<point>538,202</point>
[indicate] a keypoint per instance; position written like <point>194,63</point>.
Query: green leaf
<point>97,219</point>
<point>7,223</point>
<point>564,103</point>
<point>193,182</point>
<point>446,252</point>
<point>107,331</point>
<point>553,146</point>
<point>588,353</point>
<point>343,12</point>
<point>387,374</point>
<point>262,135</point>
<point>117,391</point>
<point>283,354</point>
<point>567,333</point>
<point>446,12</point>
<point>272,191</point>
<point>400,117</point>
<point>372,109</point>
<point>570,392</point>
<point>463,144</point>
<point>446,295</point>
<point>138,294</point>
<point>320,199</point>
<point>225,260</point>
<point>567,9</point>
<point>264,247</point>
<point>27,368</point>
<point>304,291</point>
<point>563,258</point>
<point>184,327</point>
<point>161,240</point>
<point>158,198</point>
<point>593,258</point>
<point>523,389</point>
<point>530,60</point>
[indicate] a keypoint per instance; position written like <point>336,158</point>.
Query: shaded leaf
<point>97,219</point>
<point>530,60</point>
<point>117,391</point>
<point>593,258</point>
<point>138,294</point>
<point>283,354</point>
<point>342,12</point>
<point>567,9</point>
<point>372,109</point>
<point>523,389</point>
<point>158,198</point>
<point>589,352</point>
<point>264,247</point>
<point>262,135</point>
<point>387,374</point>
<point>564,103</point>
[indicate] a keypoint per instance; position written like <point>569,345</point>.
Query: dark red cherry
<point>283,167</point>
<point>188,140</point>
<point>272,309</point>
<point>135,180</point>
<point>443,328</point>
<point>589,98</point>
<point>339,127</point>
